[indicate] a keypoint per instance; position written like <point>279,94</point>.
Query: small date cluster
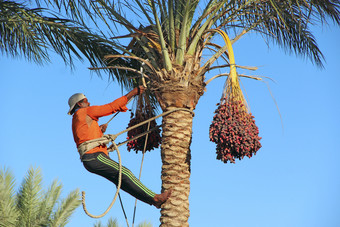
<point>234,131</point>
<point>154,138</point>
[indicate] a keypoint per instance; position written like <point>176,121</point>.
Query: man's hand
<point>135,91</point>
<point>140,89</point>
<point>103,127</point>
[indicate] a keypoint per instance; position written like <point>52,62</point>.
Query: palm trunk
<point>180,88</point>
<point>176,155</point>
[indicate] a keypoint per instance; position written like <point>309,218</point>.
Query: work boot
<point>159,199</point>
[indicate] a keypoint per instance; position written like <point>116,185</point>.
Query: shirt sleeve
<point>96,112</point>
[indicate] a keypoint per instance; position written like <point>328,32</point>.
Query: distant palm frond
<point>31,205</point>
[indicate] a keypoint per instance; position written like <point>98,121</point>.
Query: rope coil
<point>118,188</point>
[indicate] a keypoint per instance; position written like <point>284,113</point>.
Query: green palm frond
<point>114,223</point>
<point>110,223</point>
<point>144,224</point>
<point>182,31</point>
<point>286,23</point>
<point>98,224</point>
<point>178,27</point>
<point>32,33</point>
<point>25,31</point>
<point>8,211</point>
<point>28,198</point>
<point>47,203</point>
<point>32,206</point>
<point>66,209</point>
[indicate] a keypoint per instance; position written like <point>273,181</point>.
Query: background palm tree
<point>169,38</point>
<point>32,206</point>
<point>110,223</point>
<point>114,223</point>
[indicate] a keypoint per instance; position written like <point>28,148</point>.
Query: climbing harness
<point>109,138</point>
<point>90,144</point>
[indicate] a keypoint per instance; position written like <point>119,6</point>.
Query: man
<point>85,127</point>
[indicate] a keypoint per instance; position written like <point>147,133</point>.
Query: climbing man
<point>85,127</point>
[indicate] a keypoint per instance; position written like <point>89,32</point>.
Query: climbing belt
<point>105,139</point>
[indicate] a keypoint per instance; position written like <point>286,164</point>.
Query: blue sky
<point>293,181</point>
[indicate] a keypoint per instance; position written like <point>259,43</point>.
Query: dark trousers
<point>101,164</point>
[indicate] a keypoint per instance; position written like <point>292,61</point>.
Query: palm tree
<point>32,206</point>
<point>169,38</point>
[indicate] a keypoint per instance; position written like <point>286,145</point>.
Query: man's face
<point>84,103</point>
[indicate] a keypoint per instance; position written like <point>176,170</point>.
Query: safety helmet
<point>72,101</point>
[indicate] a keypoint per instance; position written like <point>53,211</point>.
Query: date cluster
<point>154,138</point>
<point>234,131</point>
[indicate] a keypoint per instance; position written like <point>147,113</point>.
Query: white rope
<point>118,188</point>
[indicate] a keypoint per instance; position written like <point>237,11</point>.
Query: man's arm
<point>135,91</point>
<point>118,105</point>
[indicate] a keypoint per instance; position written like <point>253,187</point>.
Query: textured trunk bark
<point>176,156</point>
<point>180,88</point>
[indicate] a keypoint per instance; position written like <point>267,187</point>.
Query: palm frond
<point>185,26</point>
<point>32,33</point>
<point>8,212</point>
<point>112,223</point>
<point>32,206</point>
<point>144,224</point>
<point>66,209</point>
<point>286,23</point>
<point>28,198</point>
<point>47,203</point>
<point>176,26</point>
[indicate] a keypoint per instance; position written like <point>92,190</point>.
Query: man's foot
<point>159,199</point>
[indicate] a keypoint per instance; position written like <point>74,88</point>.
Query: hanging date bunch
<point>234,131</point>
<point>233,128</point>
<point>144,111</point>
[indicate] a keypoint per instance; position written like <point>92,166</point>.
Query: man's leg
<point>102,165</point>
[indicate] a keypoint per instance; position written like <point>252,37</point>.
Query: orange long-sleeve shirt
<point>83,132</point>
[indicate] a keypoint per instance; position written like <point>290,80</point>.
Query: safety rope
<point>121,204</point>
<point>118,187</point>
<point>105,139</point>
<point>140,172</point>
